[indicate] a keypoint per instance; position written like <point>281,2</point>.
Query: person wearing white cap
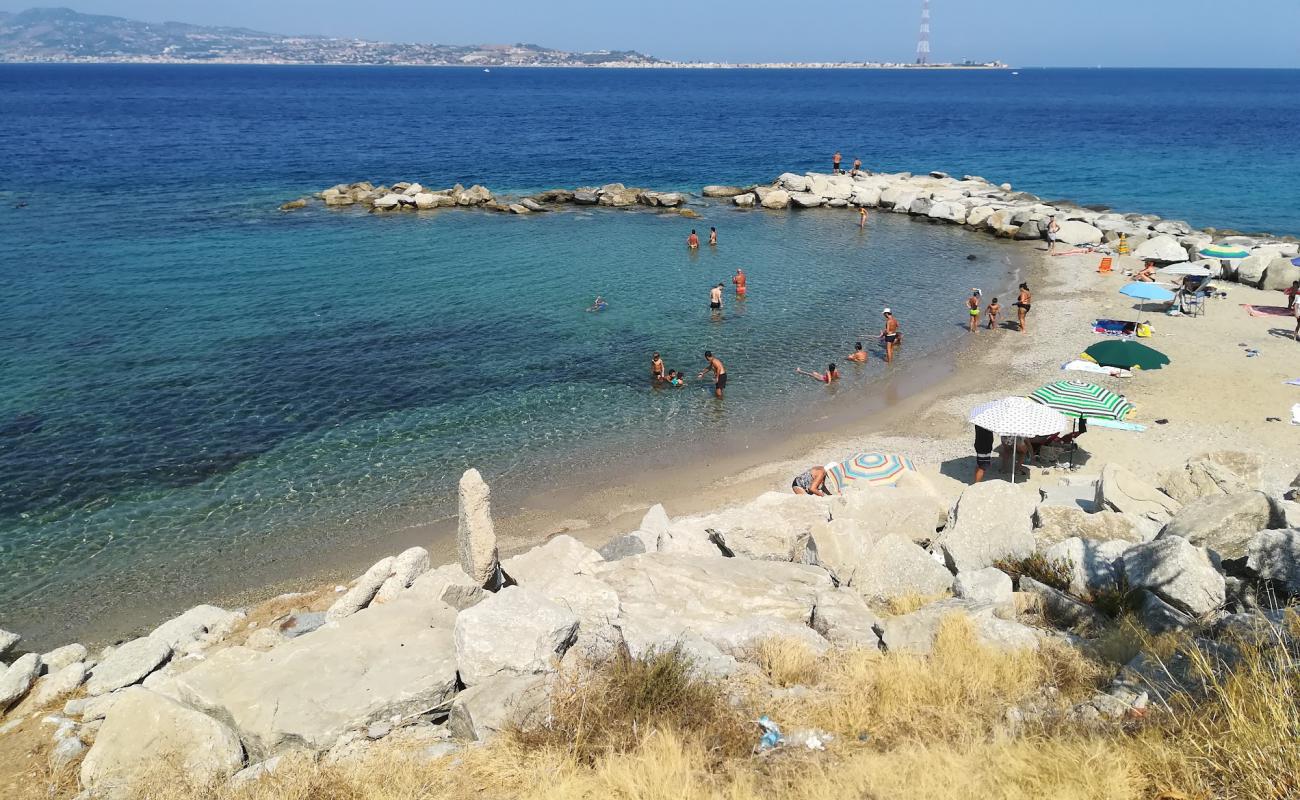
<point>890,335</point>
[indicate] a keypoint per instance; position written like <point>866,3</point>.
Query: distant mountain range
<point>64,35</point>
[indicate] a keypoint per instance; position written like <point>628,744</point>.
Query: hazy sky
<point>1262,33</point>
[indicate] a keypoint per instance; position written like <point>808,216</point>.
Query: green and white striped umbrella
<point>1083,400</point>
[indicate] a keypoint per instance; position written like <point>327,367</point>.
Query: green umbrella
<point>1125,355</point>
<point>1083,400</point>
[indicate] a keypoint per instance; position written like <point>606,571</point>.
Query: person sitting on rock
<point>812,482</point>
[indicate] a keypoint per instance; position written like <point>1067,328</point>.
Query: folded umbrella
<point>1126,355</point>
<point>1082,400</point>
<point>867,469</point>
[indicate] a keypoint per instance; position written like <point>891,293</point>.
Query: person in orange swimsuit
<point>739,281</point>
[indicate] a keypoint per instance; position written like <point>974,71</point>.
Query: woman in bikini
<point>831,374</point>
<point>1023,303</point>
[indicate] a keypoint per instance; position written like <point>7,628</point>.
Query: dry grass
<point>787,662</point>
<point>647,729</point>
<point>912,601</point>
<point>1055,573</point>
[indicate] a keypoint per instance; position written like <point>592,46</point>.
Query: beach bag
<point>1143,331</point>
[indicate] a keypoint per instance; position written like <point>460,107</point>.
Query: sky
<point>1147,33</point>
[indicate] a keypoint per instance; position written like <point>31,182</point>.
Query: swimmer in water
<point>831,374</point>
<point>715,298</point>
<point>713,237</point>
<point>858,355</point>
<point>739,281</point>
<point>693,241</point>
<point>657,369</point>
<point>599,305</point>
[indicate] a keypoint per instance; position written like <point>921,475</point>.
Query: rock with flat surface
<point>741,637</point>
<point>1275,556</point>
<point>144,730</point>
<point>61,657</point>
<point>894,567</point>
<point>776,526</point>
<point>1178,572</point>
<point>18,679</point>
<point>915,633</point>
<point>393,660</point>
<point>60,683</point>
<point>1225,523</point>
<point>645,633</point>
<point>407,566</point>
<point>988,585</point>
<point>476,536</point>
<point>516,631</point>
<point>388,202</point>
<point>805,200</point>
<point>559,557</point>
<point>1197,479</point>
<point>1077,233</point>
<point>1161,247</point>
<point>194,623</point>
<point>991,521</point>
<point>746,200</point>
<point>130,663</point>
<point>845,620</point>
<point>1058,523</point>
<point>362,592</point>
<point>914,511</point>
<point>497,704</point>
<point>723,191</point>
<point>1118,489</point>
<point>447,584</point>
<point>794,183</point>
<point>7,641</point>
<point>1093,564</point>
<point>474,196</point>
<point>776,199</point>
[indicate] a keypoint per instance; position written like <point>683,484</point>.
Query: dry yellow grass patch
<point>912,601</point>
<point>787,662</point>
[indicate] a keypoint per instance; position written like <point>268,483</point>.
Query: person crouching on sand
<point>831,374</point>
<point>811,481</point>
<point>858,355</point>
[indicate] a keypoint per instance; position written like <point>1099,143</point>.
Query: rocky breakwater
<point>436,658</point>
<point>413,196</point>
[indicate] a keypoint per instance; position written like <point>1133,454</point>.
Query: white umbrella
<point>1197,269</point>
<point>1019,418</point>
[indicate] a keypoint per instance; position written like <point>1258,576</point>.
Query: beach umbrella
<point>1019,418</point>
<point>1147,291</point>
<point>1223,252</point>
<point>868,469</point>
<point>1296,261</point>
<point>1082,400</point>
<point>1125,355</point>
<point>1198,270</point>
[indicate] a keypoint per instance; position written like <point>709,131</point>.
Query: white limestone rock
<point>1162,247</point>
<point>59,684</point>
<point>988,585</point>
<point>1200,478</point>
<point>194,623</point>
<point>559,557</point>
<point>7,640</point>
<point>1076,233</point>
<point>845,620</point>
<point>1118,489</point>
<point>17,680</point>
<point>130,663</point>
<point>362,592</point>
<point>447,584</point>
<point>516,631</point>
<point>894,567</point>
<point>1178,572</point>
<point>1225,523</point>
<point>776,199</point>
<point>61,657</point>
<point>1094,565</point>
<point>482,711</point>
<point>916,632</point>
<point>476,535</point>
<point>409,564</point>
<point>991,521</point>
<point>1275,556</point>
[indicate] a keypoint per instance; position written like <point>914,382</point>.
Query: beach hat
<point>886,311</point>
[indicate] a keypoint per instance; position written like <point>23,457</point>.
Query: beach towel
<point>1266,311</point>
<point>1295,414</point>
<point>1079,365</point>
<point>1114,327</point>
<point>1293,382</point>
<point>1117,425</point>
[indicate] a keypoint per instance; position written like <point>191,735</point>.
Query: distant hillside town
<point>62,35</point>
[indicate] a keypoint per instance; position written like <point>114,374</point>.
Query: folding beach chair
<point>1105,266</point>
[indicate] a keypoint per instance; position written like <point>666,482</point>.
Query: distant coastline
<point>995,65</point>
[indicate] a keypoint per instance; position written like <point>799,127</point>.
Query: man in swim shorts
<point>657,369</point>
<point>973,306</point>
<point>715,298</point>
<point>857,167</point>
<point>739,281</point>
<point>983,451</point>
<point>992,313</point>
<point>890,335</point>
<point>1053,228</point>
<point>720,372</point>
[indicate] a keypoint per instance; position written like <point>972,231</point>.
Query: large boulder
<point>793,183</point>
<point>144,731</point>
<point>1200,478</point>
<point>363,591</point>
<point>894,566</point>
<point>1058,523</point>
<point>1160,248</point>
<point>560,557</point>
<point>60,657</point>
<point>516,631</point>
<point>498,704</point>
<point>1058,608</point>
<point>1120,490</point>
<point>988,585</point>
<point>476,537</point>
<point>991,521</point>
<point>17,679</point>
<point>739,638</point>
<point>805,200</point>
<point>447,584</point>
<point>1092,563</point>
<point>194,623</point>
<point>7,640</point>
<point>723,191</point>
<point>474,196</point>
<point>1226,523</point>
<point>59,683</point>
<point>407,566</point>
<point>1275,556</point>
<point>912,511</point>
<point>776,526</point>
<point>396,659</point>
<point>1279,274</point>
<point>130,663</point>
<point>1077,233</point>
<point>1178,572</point>
<point>388,202</point>
<point>746,200</point>
<point>916,632</point>
<point>865,196</point>
<point>948,211</point>
<point>845,620</point>
<point>777,199</point>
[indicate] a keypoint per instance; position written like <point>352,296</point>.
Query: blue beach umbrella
<point>1223,252</point>
<point>1147,291</point>
<point>1296,261</point>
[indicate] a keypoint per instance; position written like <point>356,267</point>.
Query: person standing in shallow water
<point>1024,302</point>
<point>713,237</point>
<point>693,241</point>
<point>715,298</point>
<point>657,369</point>
<point>739,281</point>
<point>719,371</point>
<point>973,307</point>
<point>890,335</point>
<point>862,217</point>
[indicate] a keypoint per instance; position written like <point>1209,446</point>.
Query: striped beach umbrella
<point>1080,399</point>
<point>868,469</point>
<point>1223,252</point>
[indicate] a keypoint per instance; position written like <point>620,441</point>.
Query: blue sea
<point>195,385</point>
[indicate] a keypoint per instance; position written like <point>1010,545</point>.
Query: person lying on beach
<point>831,374</point>
<point>1147,274</point>
<point>812,482</point>
<point>859,355</point>
<point>715,298</point>
<point>713,237</point>
<point>599,304</point>
<point>973,306</point>
<point>656,369</point>
<point>720,371</point>
<point>739,281</point>
<point>890,335</point>
<point>992,313</point>
<point>693,241</point>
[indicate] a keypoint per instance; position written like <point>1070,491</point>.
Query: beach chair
<point>1106,265</point>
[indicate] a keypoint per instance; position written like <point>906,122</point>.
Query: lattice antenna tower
<point>923,41</point>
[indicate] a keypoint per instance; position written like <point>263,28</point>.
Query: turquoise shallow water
<point>196,389</point>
